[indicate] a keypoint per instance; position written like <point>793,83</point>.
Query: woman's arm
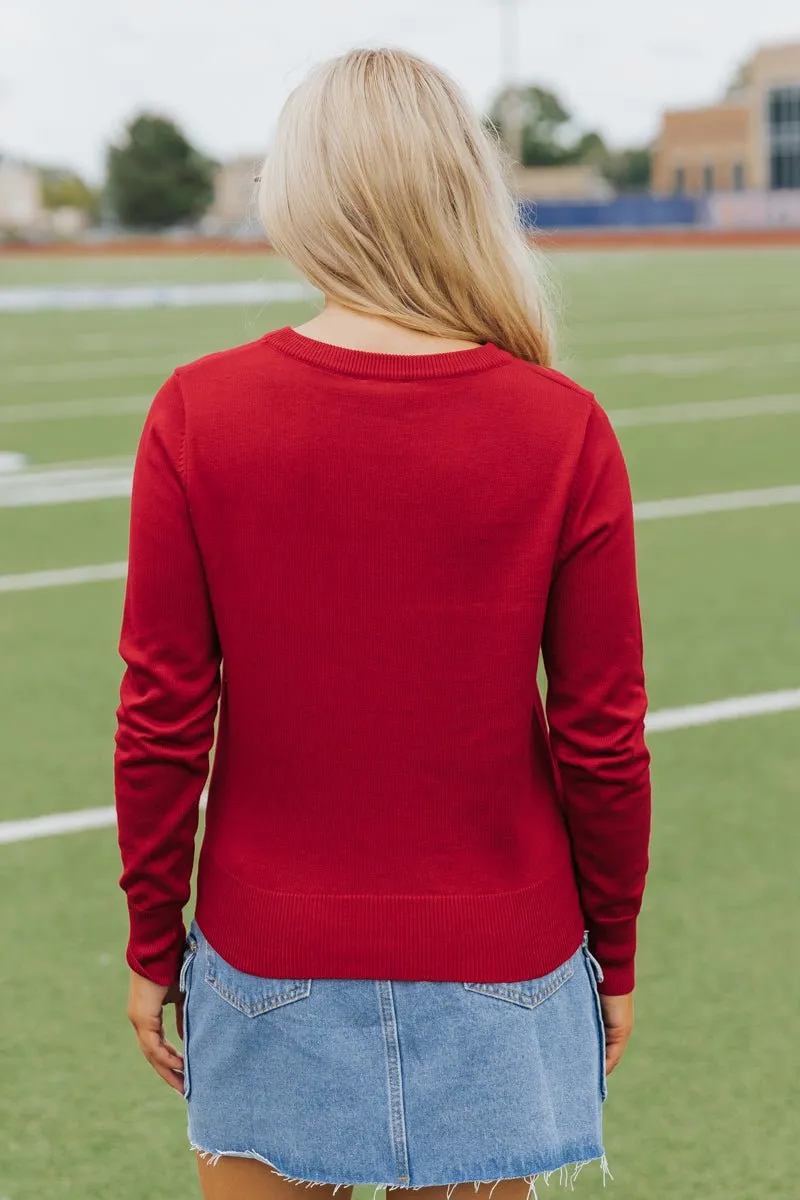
<point>596,701</point>
<point>168,696</point>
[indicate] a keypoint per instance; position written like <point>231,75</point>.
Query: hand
<point>618,1023</point>
<point>146,1002</point>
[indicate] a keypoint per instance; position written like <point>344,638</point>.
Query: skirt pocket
<point>528,992</point>
<point>252,995</point>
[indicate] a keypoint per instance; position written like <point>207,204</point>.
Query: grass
<point>705,1102</point>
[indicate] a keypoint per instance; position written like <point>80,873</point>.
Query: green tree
<point>156,178</point>
<point>538,129</point>
<point>629,170</point>
<point>63,188</point>
<point>589,148</point>
<point>740,81</point>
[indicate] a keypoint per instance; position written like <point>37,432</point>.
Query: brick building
<point>749,141</point>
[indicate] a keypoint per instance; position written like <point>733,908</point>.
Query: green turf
<point>704,1104</point>
<point>36,271</point>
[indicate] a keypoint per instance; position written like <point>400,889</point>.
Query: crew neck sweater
<point>350,563</point>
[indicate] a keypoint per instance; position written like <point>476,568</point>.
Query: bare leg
<point>504,1189</point>
<point>248,1179</point>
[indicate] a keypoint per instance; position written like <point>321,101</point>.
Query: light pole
<point>509,17</point>
<point>512,107</point>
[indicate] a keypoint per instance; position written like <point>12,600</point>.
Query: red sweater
<point>357,558</point>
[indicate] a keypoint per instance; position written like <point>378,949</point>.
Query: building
<point>233,209</point>
<point>579,181</point>
<point>751,140</point>
<point>20,197</point>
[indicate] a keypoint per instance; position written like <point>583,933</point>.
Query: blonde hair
<point>386,192</point>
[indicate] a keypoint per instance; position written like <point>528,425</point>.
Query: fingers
<point>161,1054</point>
<point>616,1041</point>
<point>618,1018</point>
<point>146,1002</point>
<point>163,1058</point>
<point>613,1055</point>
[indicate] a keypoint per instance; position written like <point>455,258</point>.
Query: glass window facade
<point>738,177</point>
<point>708,178</point>
<point>784,137</point>
<point>679,183</point>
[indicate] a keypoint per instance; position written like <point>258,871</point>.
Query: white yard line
<point>32,581</point>
<point>723,710</point>
<point>61,484</point>
<point>654,329</point>
<point>104,368</point>
<point>679,365</point>
<point>692,506</point>
<point>152,295</point>
<point>643,415</point>
<point>694,364</point>
<point>703,410</point>
<point>64,484</point>
<point>66,410</point>
<point>735,708</point>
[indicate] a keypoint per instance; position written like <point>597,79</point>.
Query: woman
<point>411,962</point>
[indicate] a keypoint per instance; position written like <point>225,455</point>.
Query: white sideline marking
<point>32,581</point>
<point>691,506</point>
<point>658,414</point>
<point>64,410</point>
<point>152,295</point>
<point>68,822</point>
<point>723,710</point>
<point>704,410</point>
<point>668,719</point>
<point>62,485</point>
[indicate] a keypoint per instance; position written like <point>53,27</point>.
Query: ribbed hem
<point>370,365</point>
<point>469,938</point>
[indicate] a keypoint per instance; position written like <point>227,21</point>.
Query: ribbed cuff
<point>617,981</point>
<point>613,943</point>
<point>156,943</point>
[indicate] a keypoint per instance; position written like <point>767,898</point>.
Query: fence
<point>723,210</point>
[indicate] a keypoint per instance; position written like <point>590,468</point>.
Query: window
<point>680,181</point>
<point>784,137</point>
<point>738,177</point>
<point>708,179</point>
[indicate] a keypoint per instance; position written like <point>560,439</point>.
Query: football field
<point>696,356</point>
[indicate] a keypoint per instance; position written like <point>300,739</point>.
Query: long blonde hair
<point>386,192</point>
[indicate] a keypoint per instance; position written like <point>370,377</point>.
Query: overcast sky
<point>73,71</point>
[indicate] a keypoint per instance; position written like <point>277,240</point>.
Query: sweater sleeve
<point>168,696</point>
<point>596,701</point>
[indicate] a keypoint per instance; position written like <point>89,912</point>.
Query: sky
<point>72,73</point>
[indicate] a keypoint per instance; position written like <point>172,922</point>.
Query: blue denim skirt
<point>395,1083</point>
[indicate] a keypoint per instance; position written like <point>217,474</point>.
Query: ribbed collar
<point>371,365</point>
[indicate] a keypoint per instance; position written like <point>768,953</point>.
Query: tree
<point>63,188</point>
<point>629,170</point>
<point>740,81</point>
<point>539,130</point>
<point>156,178</point>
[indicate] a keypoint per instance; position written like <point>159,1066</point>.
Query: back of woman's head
<point>384,189</point>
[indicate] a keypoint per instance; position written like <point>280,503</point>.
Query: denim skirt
<point>395,1083</point>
